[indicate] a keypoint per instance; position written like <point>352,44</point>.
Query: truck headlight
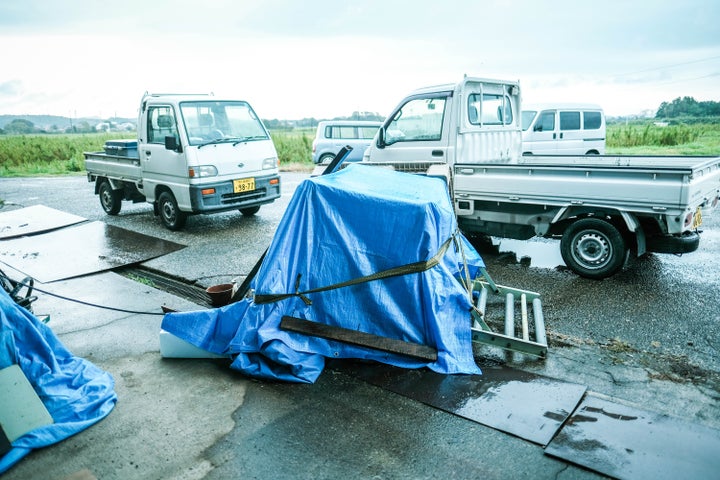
<point>269,163</point>
<point>202,171</point>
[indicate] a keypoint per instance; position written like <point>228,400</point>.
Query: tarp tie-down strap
<point>415,267</point>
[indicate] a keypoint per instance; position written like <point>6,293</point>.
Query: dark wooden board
<point>362,339</point>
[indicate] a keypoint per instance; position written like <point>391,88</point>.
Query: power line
<point>668,66</point>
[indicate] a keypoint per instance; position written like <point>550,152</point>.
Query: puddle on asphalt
<point>533,253</point>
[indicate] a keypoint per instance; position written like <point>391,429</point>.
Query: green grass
<point>33,155</point>
<point>649,139</point>
<point>294,148</point>
<point>28,155</point>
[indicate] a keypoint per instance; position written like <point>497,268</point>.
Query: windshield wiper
<point>216,141</point>
<point>245,139</point>
<point>233,140</point>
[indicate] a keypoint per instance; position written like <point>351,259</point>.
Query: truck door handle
<point>148,152</point>
<point>561,135</point>
<point>437,153</point>
<point>554,136</point>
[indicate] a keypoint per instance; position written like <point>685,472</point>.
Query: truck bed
<point>101,164</point>
<point>631,183</point>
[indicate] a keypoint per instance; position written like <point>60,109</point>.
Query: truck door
<point>160,165</point>
<point>417,131</point>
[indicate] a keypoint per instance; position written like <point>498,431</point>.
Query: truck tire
<point>593,248</point>
<point>110,200</point>
<point>250,211</point>
<point>170,214</point>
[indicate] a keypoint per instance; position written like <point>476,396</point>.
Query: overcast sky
<point>327,58</point>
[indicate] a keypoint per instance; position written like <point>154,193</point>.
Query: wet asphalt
<point>647,336</point>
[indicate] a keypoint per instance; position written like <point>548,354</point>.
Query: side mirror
<point>171,143</point>
<point>538,128</point>
<point>381,138</point>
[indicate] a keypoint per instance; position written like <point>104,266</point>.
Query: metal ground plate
<point>80,250</point>
<point>523,404</point>
<point>35,219</point>
<point>629,443</point>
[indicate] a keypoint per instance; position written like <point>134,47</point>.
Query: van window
<point>340,132</point>
<point>367,133</point>
<point>569,120</point>
<point>494,109</point>
<point>546,123</point>
<point>592,120</point>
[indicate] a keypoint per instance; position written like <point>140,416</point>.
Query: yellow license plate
<point>244,185</point>
<point>697,219</point>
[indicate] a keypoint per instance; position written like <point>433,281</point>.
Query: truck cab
<point>195,154</point>
<point>474,121</point>
<point>205,154</point>
<point>601,208</point>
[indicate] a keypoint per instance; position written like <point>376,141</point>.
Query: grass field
<point>28,155</point>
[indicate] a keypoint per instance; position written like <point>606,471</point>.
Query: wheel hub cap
<point>592,249</point>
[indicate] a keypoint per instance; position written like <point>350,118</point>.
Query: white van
<point>563,129</point>
<point>332,135</point>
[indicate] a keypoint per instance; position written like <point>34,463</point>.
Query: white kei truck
<point>602,207</point>
<point>194,154</point>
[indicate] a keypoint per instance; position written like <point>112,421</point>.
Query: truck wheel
<point>170,214</point>
<point>250,211</point>
<point>593,248</point>
<point>110,200</point>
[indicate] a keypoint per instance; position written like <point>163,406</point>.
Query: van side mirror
<point>171,143</point>
<point>381,138</point>
<point>538,128</point>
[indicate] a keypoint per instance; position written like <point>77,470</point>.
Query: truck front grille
<point>231,198</point>
<point>406,167</point>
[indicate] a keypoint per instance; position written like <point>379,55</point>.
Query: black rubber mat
<point>628,443</point>
<point>523,404</point>
<point>80,250</point>
<point>33,220</point>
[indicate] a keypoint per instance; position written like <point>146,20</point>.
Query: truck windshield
<point>219,121</point>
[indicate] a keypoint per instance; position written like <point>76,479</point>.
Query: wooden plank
<point>362,339</point>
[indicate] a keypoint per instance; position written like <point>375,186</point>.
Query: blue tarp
<point>75,392</point>
<point>356,222</point>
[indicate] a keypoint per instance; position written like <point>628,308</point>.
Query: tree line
<point>688,107</point>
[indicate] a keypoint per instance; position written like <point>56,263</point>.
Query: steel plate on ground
<point>35,219</point>
<point>523,404</point>
<point>628,443</point>
<point>80,250</point>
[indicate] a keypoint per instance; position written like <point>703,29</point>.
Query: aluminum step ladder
<point>530,308</point>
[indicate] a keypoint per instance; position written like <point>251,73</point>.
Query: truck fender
<point>113,183</point>
<point>629,219</point>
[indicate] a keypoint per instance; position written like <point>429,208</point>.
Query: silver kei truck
<point>602,208</point>
<point>194,154</point>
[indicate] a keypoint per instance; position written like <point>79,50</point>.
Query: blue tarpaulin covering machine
<point>366,263</point>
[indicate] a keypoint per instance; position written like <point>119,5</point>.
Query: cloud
<point>327,58</point>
